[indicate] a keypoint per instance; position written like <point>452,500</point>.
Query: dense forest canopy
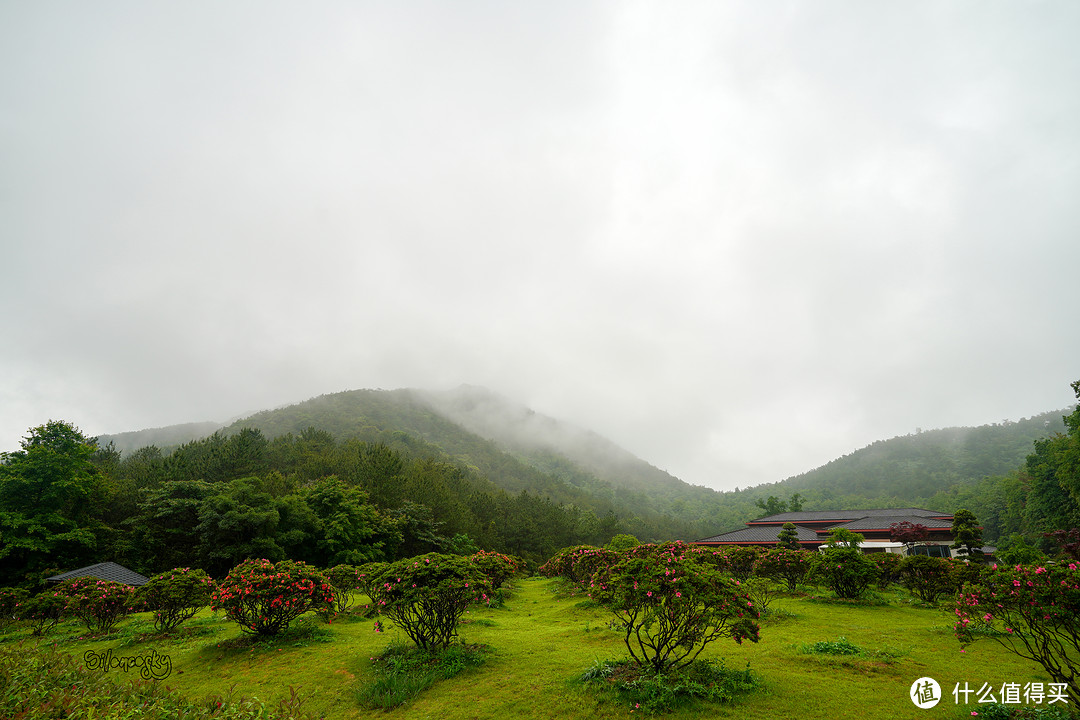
<point>378,475</point>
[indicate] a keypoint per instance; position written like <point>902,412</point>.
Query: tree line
<point>65,502</point>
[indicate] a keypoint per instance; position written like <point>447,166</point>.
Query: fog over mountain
<point>737,239</point>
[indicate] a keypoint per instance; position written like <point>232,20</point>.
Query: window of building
<point>931,550</point>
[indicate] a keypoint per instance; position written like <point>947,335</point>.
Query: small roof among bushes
<point>104,571</point>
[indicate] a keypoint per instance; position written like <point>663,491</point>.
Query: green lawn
<point>542,642</point>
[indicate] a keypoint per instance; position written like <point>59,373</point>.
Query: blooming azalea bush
<point>968,571</point>
<point>264,597</point>
<point>742,561</point>
<point>427,595</point>
<point>888,565</point>
<point>9,602</point>
<point>42,611</point>
<point>670,602</point>
<point>784,565</point>
<point>498,568</point>
<point>1032,611</point>
<point>367,577</point>
<point>98,603</point>
<point>578,563</point>
<point>175,596</point>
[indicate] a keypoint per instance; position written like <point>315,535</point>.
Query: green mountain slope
<point>578,456</point>
<point>509,444</point>
<point>911,468</point>
<point>517,449</point>
<point>162,437</point>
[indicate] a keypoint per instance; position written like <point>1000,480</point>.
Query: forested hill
<point>915,467</point>
<point>569,466</point>
<point>562,449</point>
<point>515,448</point>
<point>508,447</point>
<point>162,437</point>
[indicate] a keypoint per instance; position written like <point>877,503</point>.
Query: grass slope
<point>542,643</point>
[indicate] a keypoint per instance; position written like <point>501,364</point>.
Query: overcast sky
<point>740,239</point>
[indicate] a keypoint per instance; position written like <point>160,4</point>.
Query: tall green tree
<point>774,505</point>
<point>237,522</point>
<point>1053,474</point>
<point>349,530</point>
<point>50,494</point>
<point>967,534</point>
<point>165,528</point>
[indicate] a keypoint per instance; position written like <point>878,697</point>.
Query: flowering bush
<point>367,577</point>
<point>9,602</point>
<point>671,602</point>
<point>844,570</point>
<point>967,571</point>
<point>427,595</point>
<point>264,597</point>
<point>497,567</point>
<point>1032,611</point>
<point>927,577</point>
<point>98,603</point>
<point>784,565</point>
<point>175,596</point>
<point>578,563</point>
<point>42,611</point>
<point>742,560</point>
<point>888,565</point>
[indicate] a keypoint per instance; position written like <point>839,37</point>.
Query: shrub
<point>10,598</point>
<point>888,565</point>
<point>403,671</point>
<point>652,692</point>
<point>742,560</point>
<point>844,570</point>
<point>784,565</point>
<point>42,611</point>
<point>621,542</point>
<point>840,646</point>
<point>762,592</point>
<point>1032,611</point>
<point>426,596</point>
<point>367,577</point>
<point>927,577</point>
<point>967,571</point>
<point>587,561</point>
<point>175,596</point>
<point>671,603</point>
<point>98,603</point>
<point>578,563</point>
<point>498,568</point>
<point>264,597</point>
<point>344,580</point>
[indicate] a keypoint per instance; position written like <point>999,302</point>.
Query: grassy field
<point>542,642</point>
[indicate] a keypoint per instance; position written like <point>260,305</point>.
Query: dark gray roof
<point>847,515</point>
<point>759,533</point>
<point>104,571</point>
<point>883,522</point>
